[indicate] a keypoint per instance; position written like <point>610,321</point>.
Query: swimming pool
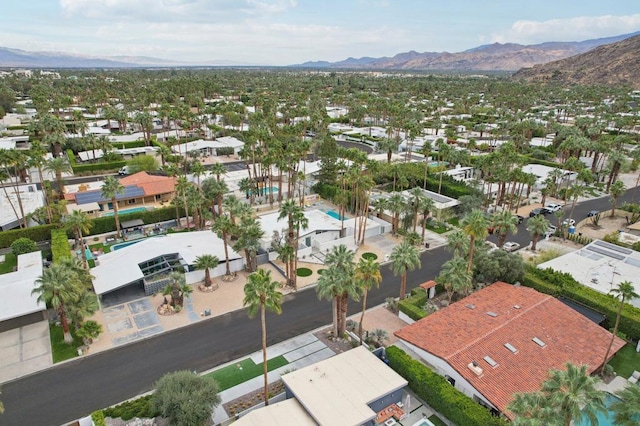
<point>334,214</point>
<point>126,211</point>
<point>125,244</point>
<point>268,190</point>
<point>604,419</point>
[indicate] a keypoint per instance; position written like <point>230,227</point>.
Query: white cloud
<point>570,29</point>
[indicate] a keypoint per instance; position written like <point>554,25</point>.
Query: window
<point>132,201</point>
<point>450,380</point>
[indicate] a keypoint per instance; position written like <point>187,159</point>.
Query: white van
<point>124,171</point>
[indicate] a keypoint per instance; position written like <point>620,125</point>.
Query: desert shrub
<point>22,246</point>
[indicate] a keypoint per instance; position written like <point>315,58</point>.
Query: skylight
<point>492,314</point>
<point>490,361</point>
<point>511,348</point>
<point>470,306</point>
<point>539,342</point>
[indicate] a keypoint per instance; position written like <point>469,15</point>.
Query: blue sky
<point>284,32</point>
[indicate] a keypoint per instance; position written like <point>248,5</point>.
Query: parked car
<point>520,218</point>
<point>124,171</point>
<point>593,213</point>
<point>510,246</point>
<point>538,211</point>
<point>551,230</point>
<point>491,246</point>
<point>568,222</point>
<point>553,207</point>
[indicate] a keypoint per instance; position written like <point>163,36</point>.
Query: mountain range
<point>490,57</point>
<point>611,64</point>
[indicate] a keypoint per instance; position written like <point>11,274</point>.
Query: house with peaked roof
<point>503,340</point>
<point>140,190</point>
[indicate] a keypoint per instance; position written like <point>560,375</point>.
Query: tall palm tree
<point>223,227</point>
<point>476,227</point>
<point>458,243</point>
<point>627,409</point>
<point>57,288</point>
<point>177,289</point>
<point>367,275</point>
<point>426,207</point>
<point>248,235</point>
<point>261,293</point>
<point>574,393</point>
<point>111,188</point>
<point>616,190</point>
<point>454,277</point>
<point>537,226</point>
<point>206,262</point>
<point>396,204</point>
<point>625,292</point>
<point>79,223</point>
<point>504,223</point>
<point>295,220</point>
<point>404,258</point>
<point>58,166</point>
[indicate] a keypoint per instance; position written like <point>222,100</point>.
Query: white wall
<point>235,265</point>
<point>443,368</point>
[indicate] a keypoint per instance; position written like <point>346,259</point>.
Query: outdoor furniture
<point>392,412</point>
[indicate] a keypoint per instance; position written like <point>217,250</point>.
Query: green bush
<point>60,248</point>
<point>304,272</point>
<point>98,418</point>
<point>556,283</point>
<point>438,393</point>
<point>103,225</point>
<point>35,233</point>
<point>224,151</point>
<point>412,305</point>
<point>22,246</point>
<point>140,407</point>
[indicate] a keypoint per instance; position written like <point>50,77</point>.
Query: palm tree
<point>206,261</point>
<point>458,243</point>
<point>79,223</point>
<point>504,223</point>
<point>111,188</point>
<point>404,258</point>
<point>625,292</point>
<point>223,227</point>
<point>574,394</point>
<point>261,293</point>
<point>57,288</point>
<point>366,276</point>
<point>396,204</point>
<point>426,207</point>
<point>177,289</point>
<point>627,409</point>
<point>296,220</point>
<point>454,277</point>
<point>532,409</point>
<point>475,226</point>
<point>248,236</point>
<point>58,166</point>
<point>616,190</point>
<point>537,226</point>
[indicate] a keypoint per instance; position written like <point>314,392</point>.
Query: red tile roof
<point>427,285</point>
<point>150,184</point>
<point>463,333</point>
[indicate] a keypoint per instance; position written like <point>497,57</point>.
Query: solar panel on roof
<point>633,262</point>
<point>605,252</point>
<point>613,247</point>
<point>130,191</point>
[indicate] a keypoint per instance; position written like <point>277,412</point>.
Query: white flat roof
<point>600,266</point>
<point>16,288</point>
<point>31,199</point>
<point>284,413</point>
<point>337,391</point>
<point>89,207</point>
<point>223,142</point>
<point>120,267</point>
<point>317,219</point>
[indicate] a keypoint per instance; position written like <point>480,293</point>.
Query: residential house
<point>503,340</point>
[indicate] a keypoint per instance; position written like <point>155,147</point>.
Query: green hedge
<point>35,233</point>
<point>60,248</point>
<point>556,283</point>
<point>412,305</point>
<point>92,167</point>
<point>98,418</point>
<point>102,225</point>
<point>438,393</point>
<point>140,407</point>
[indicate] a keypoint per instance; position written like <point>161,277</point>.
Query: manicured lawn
<point>436,227</point>
<point>106,248</point>
<point>304,272</point>
<point>626,361</point>
<point>246,369</point>
<point>368,255</point>
<point>61,350</point>
<point>436,420</point>
<point>454,221</point>
<point>10,261</point>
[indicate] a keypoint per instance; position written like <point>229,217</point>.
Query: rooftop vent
<point>511,348</point>
<point>539,342</point>
<point>490,361</point>
<point>516,306</point>
<point>477,370</point>
<point>492,314</point>
<point>470,306</point>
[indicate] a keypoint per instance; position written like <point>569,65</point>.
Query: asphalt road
<point>75,388</point>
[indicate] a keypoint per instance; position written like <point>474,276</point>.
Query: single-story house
<point>601,266</point>
<point>24,326</point>
<point>503,340</point>
<point>11,214</point>
<point>142,267</point>
<point>352,388</point>
<point>208,148</point>
<point>141,190</point>
<point>542,172</point>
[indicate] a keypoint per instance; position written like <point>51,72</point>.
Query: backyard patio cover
<point>132,223</point>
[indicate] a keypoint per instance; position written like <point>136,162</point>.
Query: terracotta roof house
<point>141,190</point>
<point>503,340</point>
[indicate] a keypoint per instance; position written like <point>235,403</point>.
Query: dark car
<point>538,211</point>
<point>593,213</point>
<point>520,219</point>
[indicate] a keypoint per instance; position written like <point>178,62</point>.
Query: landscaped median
<point>438,393</point>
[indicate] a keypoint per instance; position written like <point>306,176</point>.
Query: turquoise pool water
<point>123,245</point>
<point>604,419</point>
<point>436,164</point>
<point>121,212</point>
<point>269,190</point>
<point>334,214</point>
